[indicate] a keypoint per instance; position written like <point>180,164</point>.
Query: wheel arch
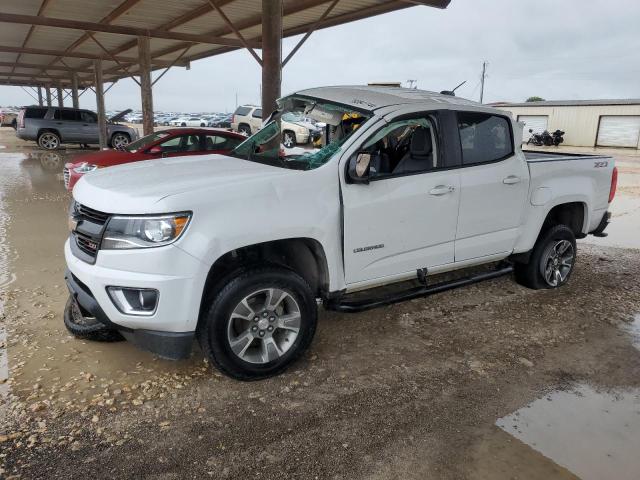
<point>46,129</point>
<point>572,214</point>
<point>305,256</point>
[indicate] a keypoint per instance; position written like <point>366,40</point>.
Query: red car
<point>176,142</point>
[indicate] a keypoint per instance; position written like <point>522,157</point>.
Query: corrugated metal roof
<point>571,103</point>
<point>45,45</point>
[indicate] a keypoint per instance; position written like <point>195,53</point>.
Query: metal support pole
<point>271,55</point>
<point>40,96</point>
<point>146,89</point>
<point>74,90</point>
<point>48,93</point>
<point>60,97</point>
<point>102,121</point>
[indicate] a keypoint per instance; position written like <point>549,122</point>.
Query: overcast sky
<point>570,49</point>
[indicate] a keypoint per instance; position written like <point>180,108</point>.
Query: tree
<point>535,99</point>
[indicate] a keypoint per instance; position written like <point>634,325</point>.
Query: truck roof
<point>374,97</point>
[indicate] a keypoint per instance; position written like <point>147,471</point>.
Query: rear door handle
<point>442,190</point>
<point>511,180</point>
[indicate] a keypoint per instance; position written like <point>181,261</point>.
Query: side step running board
<point>345,305</point>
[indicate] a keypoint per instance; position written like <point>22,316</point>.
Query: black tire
<point>124,138</point>
<point>244,129</point>
<point>531,274</point>
<point>14,124</point>
<point>49,140</point>
<point>183,124</point>
<point>203,125</point>
<point>288,139</point>
<point>212,330</point>
<point>81,327</point>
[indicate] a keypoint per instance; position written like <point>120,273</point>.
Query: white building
<point>587,123</point>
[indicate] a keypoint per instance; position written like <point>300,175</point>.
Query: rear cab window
<point>257,113</point>
<point>484,138</point>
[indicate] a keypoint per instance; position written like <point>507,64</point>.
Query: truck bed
<point>539,156</point>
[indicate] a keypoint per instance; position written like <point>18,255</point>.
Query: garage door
<point>619,131</point>
<point>537,123</point>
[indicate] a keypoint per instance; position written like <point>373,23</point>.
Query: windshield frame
<point>159,135</point>
<point>304,161</point>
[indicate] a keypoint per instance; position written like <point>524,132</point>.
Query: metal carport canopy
<point>50,42</point>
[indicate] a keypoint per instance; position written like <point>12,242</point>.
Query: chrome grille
<point>86,213</point>
<point>66,174</point>
<point>87,244</point>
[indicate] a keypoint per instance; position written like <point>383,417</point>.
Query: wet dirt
<point>409,391</point>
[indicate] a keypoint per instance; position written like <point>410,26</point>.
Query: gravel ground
<point>409,391</point>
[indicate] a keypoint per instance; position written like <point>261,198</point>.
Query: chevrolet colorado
<point>238,252</point>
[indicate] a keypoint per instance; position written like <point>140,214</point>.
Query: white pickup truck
<point>237,251</point>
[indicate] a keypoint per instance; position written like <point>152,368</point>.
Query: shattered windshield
<point>304,134</point>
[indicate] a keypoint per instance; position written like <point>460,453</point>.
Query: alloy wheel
<point>557,262</point>
<point>264,325</point>
<point>49,141</point>
<point>288,140</point>
<point>119,141</point>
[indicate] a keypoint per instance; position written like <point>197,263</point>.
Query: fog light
<point>134,301</point>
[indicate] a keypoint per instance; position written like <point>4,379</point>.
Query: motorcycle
<point>558,137</point>
<point>545,138</point>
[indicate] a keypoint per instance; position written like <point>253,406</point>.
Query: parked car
<point>221,122</point>
<point>247,119</point>
<point>53,126</point>
<point>166,143</point>
<point>188,122</point>
<point>237,252</point>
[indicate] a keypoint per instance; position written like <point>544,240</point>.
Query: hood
<point>119,116</point>
<point>139,187</point>
<point>104,158</point>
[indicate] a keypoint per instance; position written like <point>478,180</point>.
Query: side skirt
<point>345,304</point>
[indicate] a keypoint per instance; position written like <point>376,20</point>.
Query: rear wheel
<point>87,328</point>
<point>289,139</point>
<point>244,129</point>
<point>49,140</point>
<point>552,259</point>
<point>260,322</point>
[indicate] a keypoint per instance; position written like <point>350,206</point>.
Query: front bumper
<point>178,277</point>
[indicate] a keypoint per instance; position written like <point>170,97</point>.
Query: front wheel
<point>120,140</point>
<point>552,259</point>
<point>259,323</point>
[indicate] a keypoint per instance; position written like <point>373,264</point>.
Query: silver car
<point>53,126</point>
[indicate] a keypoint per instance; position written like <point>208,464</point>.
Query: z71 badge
<point>600,164</point>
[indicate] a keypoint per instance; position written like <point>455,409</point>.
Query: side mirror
<point>531,130</point>
<point>359,168</point>
<point>155,150</point>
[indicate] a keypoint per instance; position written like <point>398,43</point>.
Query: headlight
<point>144,232</point>
<point>85,168</point>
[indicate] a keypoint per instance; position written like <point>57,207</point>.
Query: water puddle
<point>633,329</point>
<point>593,434</point>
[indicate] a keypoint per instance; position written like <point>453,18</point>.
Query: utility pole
<point>412,84</point>
<point>484,75</point>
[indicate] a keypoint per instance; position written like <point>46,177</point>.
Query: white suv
<point>247,119</point>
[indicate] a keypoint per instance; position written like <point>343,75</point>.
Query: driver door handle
<point>442,190</point>
<point>511,180</point>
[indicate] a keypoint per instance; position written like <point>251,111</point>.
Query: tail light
<point>233,119</point>
<point>21,119</point>
<point>614,184</point>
